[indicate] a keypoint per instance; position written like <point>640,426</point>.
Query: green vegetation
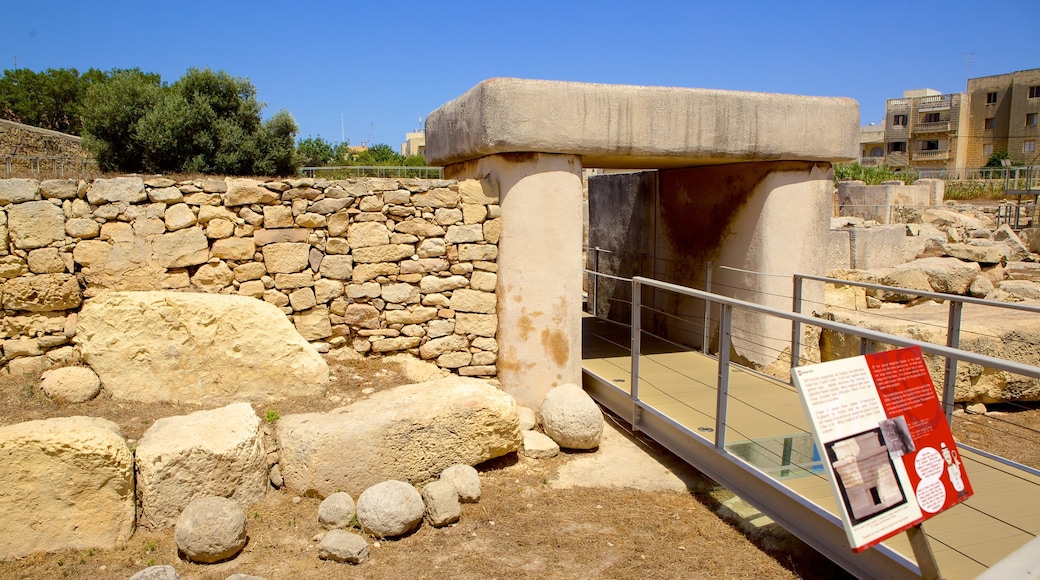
<point>272,416</point>
<point>51,99</point>
<point>975,189</point>
<point>871,175</point>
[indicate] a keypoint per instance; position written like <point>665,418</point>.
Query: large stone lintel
<point>621,126</point>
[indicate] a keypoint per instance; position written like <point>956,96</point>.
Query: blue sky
<point>383,65</point>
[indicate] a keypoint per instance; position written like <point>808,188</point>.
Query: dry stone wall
<point>377,265</point>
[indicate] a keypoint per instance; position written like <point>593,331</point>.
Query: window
<point>929,145</point>
<point>897,147</point>
<point>1029,147</point>
<point>1030,119</point>
<point>987,150</point>
<point>931,117</point>
<point>991,98</point>
<point>1034,92</point>
<point>899,120</point>
<point>991,123</point>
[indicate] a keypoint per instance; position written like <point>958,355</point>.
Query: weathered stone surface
<point>82,228</point>
<point>167,195</point>
<point>211,529</point>
<point>178,217</point>
<point>948,275</point>
<point>72,384</point>
<point>465,300</point>
<point>412,433</point>
<point>154,346</point>
<point>212,277</point>
<point>208,453</point>
<point>982,251</point>
<point>45,261</point>
<point>286,257</point>
<point>384,253</point>
<point>313,324</point>
<point>119,189</point>
<point>440,346</point>
<point>270,236</point>
<point>58,189</point>
<point>338,267</point>
<point>19,190</point>
<point>365,272</point>
<point>368,234</point>
<point>431,284</point>
<point>42,293</point>
<point>337,511</point>
<point>528,419</point>
<point>1020,289</point>
<point>463,234</point>
<point>539,446</point>
<point>419,227</point>
<point>483,191</point>
<point>571,418</point>
<point>164,572</point>
<point>393,344</point>
<point>1023,271</point>
<point>68,484</point>
<point>35,224</point>
<point>441,503</point>
<point>413,316</point>
<point>246,192</point>
<point>390,509</point>
<point>943,218</point>
<point>343,546</point>
<point>240,249</point>
<point>187,247</point>
<point>465,480</point>
<point>476,324</point>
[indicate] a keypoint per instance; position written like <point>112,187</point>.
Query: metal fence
<point>47,166</point>
<point>357,171</point>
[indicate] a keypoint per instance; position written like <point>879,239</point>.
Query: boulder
<point>196,348</point>
<point>18,190</point>
<point>71,384</point>
<point>982,251</point>
<point>1023,271</point>
<point>337,511</point>
<point>119,189</point>
<point>571,418</point>
<point>411,433</point>
<point>441,503</point>
<point>1017,250</point>
<point>1020,289</point>
<point>210,529</point>
<point>390,509</point>
<point>947,275</point>
<point>164,572</point>
<point>539,446</point>
<point>343,546</point>
<point>35,224</point>
<point>465,480</point>
<point>528,419</point>
<point>944,218</point>
<point>208,453</point>
<point>65,484</point>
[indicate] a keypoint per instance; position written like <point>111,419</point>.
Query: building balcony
<point>871,161</point>
<point>933,155</point>
<point>937,127</point>
<point>936,103</point>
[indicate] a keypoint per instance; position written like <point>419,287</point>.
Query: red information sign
<point>877,421</point>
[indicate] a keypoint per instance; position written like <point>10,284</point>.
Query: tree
<point>995,159</point>
<point>317,152</point>
<point>111,112</point>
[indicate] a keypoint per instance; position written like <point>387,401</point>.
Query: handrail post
<point>953,340</point>
<point>796,327</point>
<point>595,282</point>
<point>636,332</point>
<point>707,309</point>
<point>725,322</point>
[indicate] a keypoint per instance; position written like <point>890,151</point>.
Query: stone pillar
<point>539,269</point>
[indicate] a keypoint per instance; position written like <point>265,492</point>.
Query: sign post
<point>892,459</point>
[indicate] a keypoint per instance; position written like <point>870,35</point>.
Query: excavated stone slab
<point>634,127</point>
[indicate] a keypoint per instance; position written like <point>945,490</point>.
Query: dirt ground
<point>521,528</point>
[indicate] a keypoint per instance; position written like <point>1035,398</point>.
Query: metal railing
<point>931,154</point>
<point>59,166</point>
<point>933,127</point>
<point>953,331</point>
<point>393,171</point>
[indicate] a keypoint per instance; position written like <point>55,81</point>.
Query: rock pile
<point>379,265</point>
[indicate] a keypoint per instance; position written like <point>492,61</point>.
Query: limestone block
<point>411,316</point>
<point>1021,289</point>
<point>447,216</point>
<point>466,481</point>
<point>432,247</point>
<point>981,251</point>
<point>311,220</point>
<point>187,247</point>
<point>483,192</point>
<point>337,511</point>
<point>400,293</point>
<point>253,288</point>
<point>440,346</point>
<point>944,218</point>
<point>384,253</point>
<point>19,190</point>
<point>178,217</point>
<point>82,228</point>
<point>394,344</point>
<point>371,203</point>
<point>156,346</point>
<point>464,233</point>
<point>466,300</point>
<point>41,293</point>
<point>240,249</point>
<point>119,189</point>
<point>485,325</point>
<point>362,315</point>
<point>571,418</point>
<point>276,298</point>
<point>72,384</point>
<point>330,206</point>
<point>208,213</point>
<point>485,281</point>
<point>454,360</point>
<point>58,189</point>
<point>35,224</point>
<point>313,324</point>
<point>419,227</point>
<point>439,328</point>
<point>389,509</point>
<point>539,446</point>
<point>302,299</point>
<point>368,234</point>
<point>1023,271</point>
<point>12,267</point>
<point>327,290</point>
<point>337,246</point>
<point>290,281</point>
<point>423,265</point>
<point>947,275</point>
<point>476,252</point>
<point>45,261</point>
<point>247,192</point>
<point>250,271</point>
<point>210,529</point>
<point>285,257</point>
<point>117,232</point>
<point>212,277</point>
<point>219,229</point>
<point>337,267</point>
<point>272,236</point>
<point>365,290</point>
<point>432,284</point>
<point>343,546</point>
<point>338,224</point>
<point>68,484</point>
<point>167,195</point>
<point>441,503</point>
<point>437,198</point>
<point>411,433</point>
<point>218,452</point>
<point>484,359</point>
<point>19,347</point>
<point>1017,250</point>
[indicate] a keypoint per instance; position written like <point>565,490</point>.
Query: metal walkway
<point>769,460</point>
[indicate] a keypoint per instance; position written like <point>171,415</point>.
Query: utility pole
<point>342,136</point>
<point>970,58</point>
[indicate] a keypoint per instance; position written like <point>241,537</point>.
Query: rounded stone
<point>211,529</point>
<point>337,511</point>
<point>343,546</point>
<point>442,503</point>
<point>571,418</point>
<point>465,480</point>
<point>72,384</point>
<point>391,508</point>
<point>165,572</point>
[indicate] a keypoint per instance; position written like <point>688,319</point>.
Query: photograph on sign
<point>893,461</point>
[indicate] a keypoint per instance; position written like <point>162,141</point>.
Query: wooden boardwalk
<point>766,425</point>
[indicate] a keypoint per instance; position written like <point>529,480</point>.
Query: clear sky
<point>381,65</point>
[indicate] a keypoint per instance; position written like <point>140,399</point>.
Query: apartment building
<point>1003,113</point>
<point>926,130</point>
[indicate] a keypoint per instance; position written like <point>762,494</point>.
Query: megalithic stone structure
<point>534,137</point>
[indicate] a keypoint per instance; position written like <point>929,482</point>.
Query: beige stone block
<point>68,485</point>
<point>435,300</point>
<point>365,272</point>
<point>338,224</point>
<point>117,232</point>
<point>19,190</point>
<point>290,281</point>
<point>454,360</point>
<point>180,249</point>
<point>264,237</point>
<point>12,267</point>
<point>368,234</point>
<point>400,293</point>
<point>475,371</point>
<point>252,288</point>
<point>365,290</point>
<point>437,198</point>
<point>386,253</point>
<point>167,195</point>
<point>250,271</point>
<point>482,192</point>
<point>286,257</point>
<point>58,189</point>
<point>20,347</point>
<point>439,346</point>
<point>362,316</point>
<point>474,214</point>
<point>327,290</point>
<point>247,192</point>
<point>415,315</point>
<point>41,293</point>
<point>302,299</point>
<point>219,228</point>
<point>82,228</point>
<point>178,217</point>
<point>436,284</point>
<point>35,224</point>
<point>493,230</point>
<point>311,220</point>
<point>419,227</point>
<point>477,252</point>
<point>212,277</point>
<point>431,248</point>
<point>208,213</point>
<point>239,249</point>
<point>119,189</point>
<point>337,267</point>
<point>424,265</point>
<point>45,261</point>
<point>276,298</point>
<point>485,325</point>
<point>393,344</point>
<point>466,300</point>
<point>175,280</point>
<point>485,281</point>
<point>337,246</point>
<point>464,233</point>
<point>447,216</point>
